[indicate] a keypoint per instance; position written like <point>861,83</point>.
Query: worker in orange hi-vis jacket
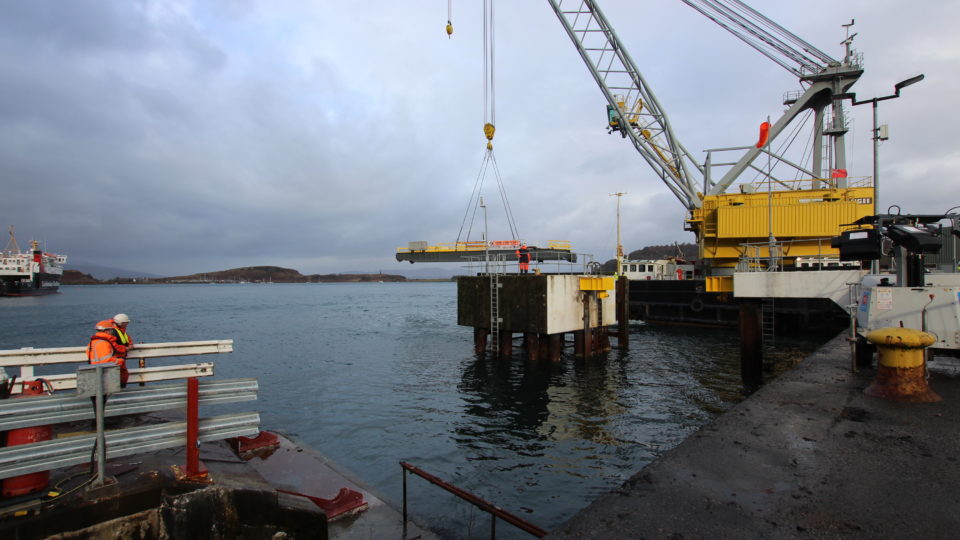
<point>523,256</point>
<point>110,344</point>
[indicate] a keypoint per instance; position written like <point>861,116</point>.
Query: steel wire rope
<point>486,61</point>
<point>493,68</point>
<point>511,221</point>
<point>470,203</point>
<point>786,144</point>
<point>807,148</point>
<point>477,187</point>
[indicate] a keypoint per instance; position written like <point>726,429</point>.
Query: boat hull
<point>686,302</point>
<point>40,285</point>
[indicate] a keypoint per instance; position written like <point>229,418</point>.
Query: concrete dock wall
<point>807,456</point>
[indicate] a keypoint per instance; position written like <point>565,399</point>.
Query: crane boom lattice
<point>633,109</point>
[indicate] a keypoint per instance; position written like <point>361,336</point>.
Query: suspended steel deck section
<point>503,250</point>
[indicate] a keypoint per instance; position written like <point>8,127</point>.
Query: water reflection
<point>629,406</point>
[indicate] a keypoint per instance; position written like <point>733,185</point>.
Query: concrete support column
<point>587,339</point>
<point>555,347</point>
<point>623,313</point>
<point>531,343</point>
<point>578,342</point>
<point>751,346</point>
<point>480,340</point>
<point>506,344</point>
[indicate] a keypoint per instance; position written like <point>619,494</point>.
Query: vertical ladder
<point>495,319</point>
<point>767,319</point>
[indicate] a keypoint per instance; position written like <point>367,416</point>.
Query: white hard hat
<point>121,318</point>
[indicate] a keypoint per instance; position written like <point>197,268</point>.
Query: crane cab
<point>613,120</point>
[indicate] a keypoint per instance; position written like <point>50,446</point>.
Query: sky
<point>177,137</point>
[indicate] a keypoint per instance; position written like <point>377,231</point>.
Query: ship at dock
<point>29,273</point>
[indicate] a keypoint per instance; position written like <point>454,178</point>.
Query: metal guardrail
<point>68,381</point>
<point>69,451</point>
<point>28,357</point>
<point>27,412</point>
<point>757,256</point>
<point>56,408</point>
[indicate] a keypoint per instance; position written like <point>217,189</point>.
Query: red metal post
<point>193,419</point>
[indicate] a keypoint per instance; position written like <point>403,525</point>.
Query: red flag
<point>838,173</point>
<point>764,133</point>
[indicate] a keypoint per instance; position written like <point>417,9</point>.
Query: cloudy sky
<point>184,136</point>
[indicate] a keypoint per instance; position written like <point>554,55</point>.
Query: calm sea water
<point>371,374</point>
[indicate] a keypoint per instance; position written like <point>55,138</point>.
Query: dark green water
<point>372,374</point>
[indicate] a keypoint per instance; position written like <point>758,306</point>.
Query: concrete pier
<point>540,307</point>
<point>809,455</point>
<point>246,499</point>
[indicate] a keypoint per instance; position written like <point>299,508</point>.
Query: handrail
<point>479,245</point>
<point>68,381</point>
<point>582,263</point>
<point>29,356</point>
<point>493,510</point>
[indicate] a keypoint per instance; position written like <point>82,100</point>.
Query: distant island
<point>276,274</point>
<point>249,274</point>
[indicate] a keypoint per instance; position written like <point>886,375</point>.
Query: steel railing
<point>27,358</point>
<point>58,408</point>
<point>494,511</point>
<point>69,451</point>
<point>499,264</point>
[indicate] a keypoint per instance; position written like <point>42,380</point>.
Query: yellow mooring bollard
<point>901,373</point>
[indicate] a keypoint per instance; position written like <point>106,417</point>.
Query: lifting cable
<point>449,18</point>
<point>489,118</point>
<point>489,69</point>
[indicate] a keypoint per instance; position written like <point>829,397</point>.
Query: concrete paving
<point>807,456</point>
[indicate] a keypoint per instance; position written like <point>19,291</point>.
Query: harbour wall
<point>807,456</point>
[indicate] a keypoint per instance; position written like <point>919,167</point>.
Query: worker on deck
<point>110,343</point>
<point>523,256</point>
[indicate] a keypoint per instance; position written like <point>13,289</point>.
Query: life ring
<point>696,305</point>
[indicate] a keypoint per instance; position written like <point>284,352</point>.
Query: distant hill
<point>76,277</point>
<point>686,251</point>
<point>276,274</point>
<point>248,274</point>
<point>97,271</point>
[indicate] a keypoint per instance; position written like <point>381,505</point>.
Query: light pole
<point>875,265</point>
<point>619,246</point>
<point>876,132</point>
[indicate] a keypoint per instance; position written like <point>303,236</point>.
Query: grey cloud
<point>214,134</point>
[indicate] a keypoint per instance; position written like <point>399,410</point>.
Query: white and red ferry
<point>28,273</point>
